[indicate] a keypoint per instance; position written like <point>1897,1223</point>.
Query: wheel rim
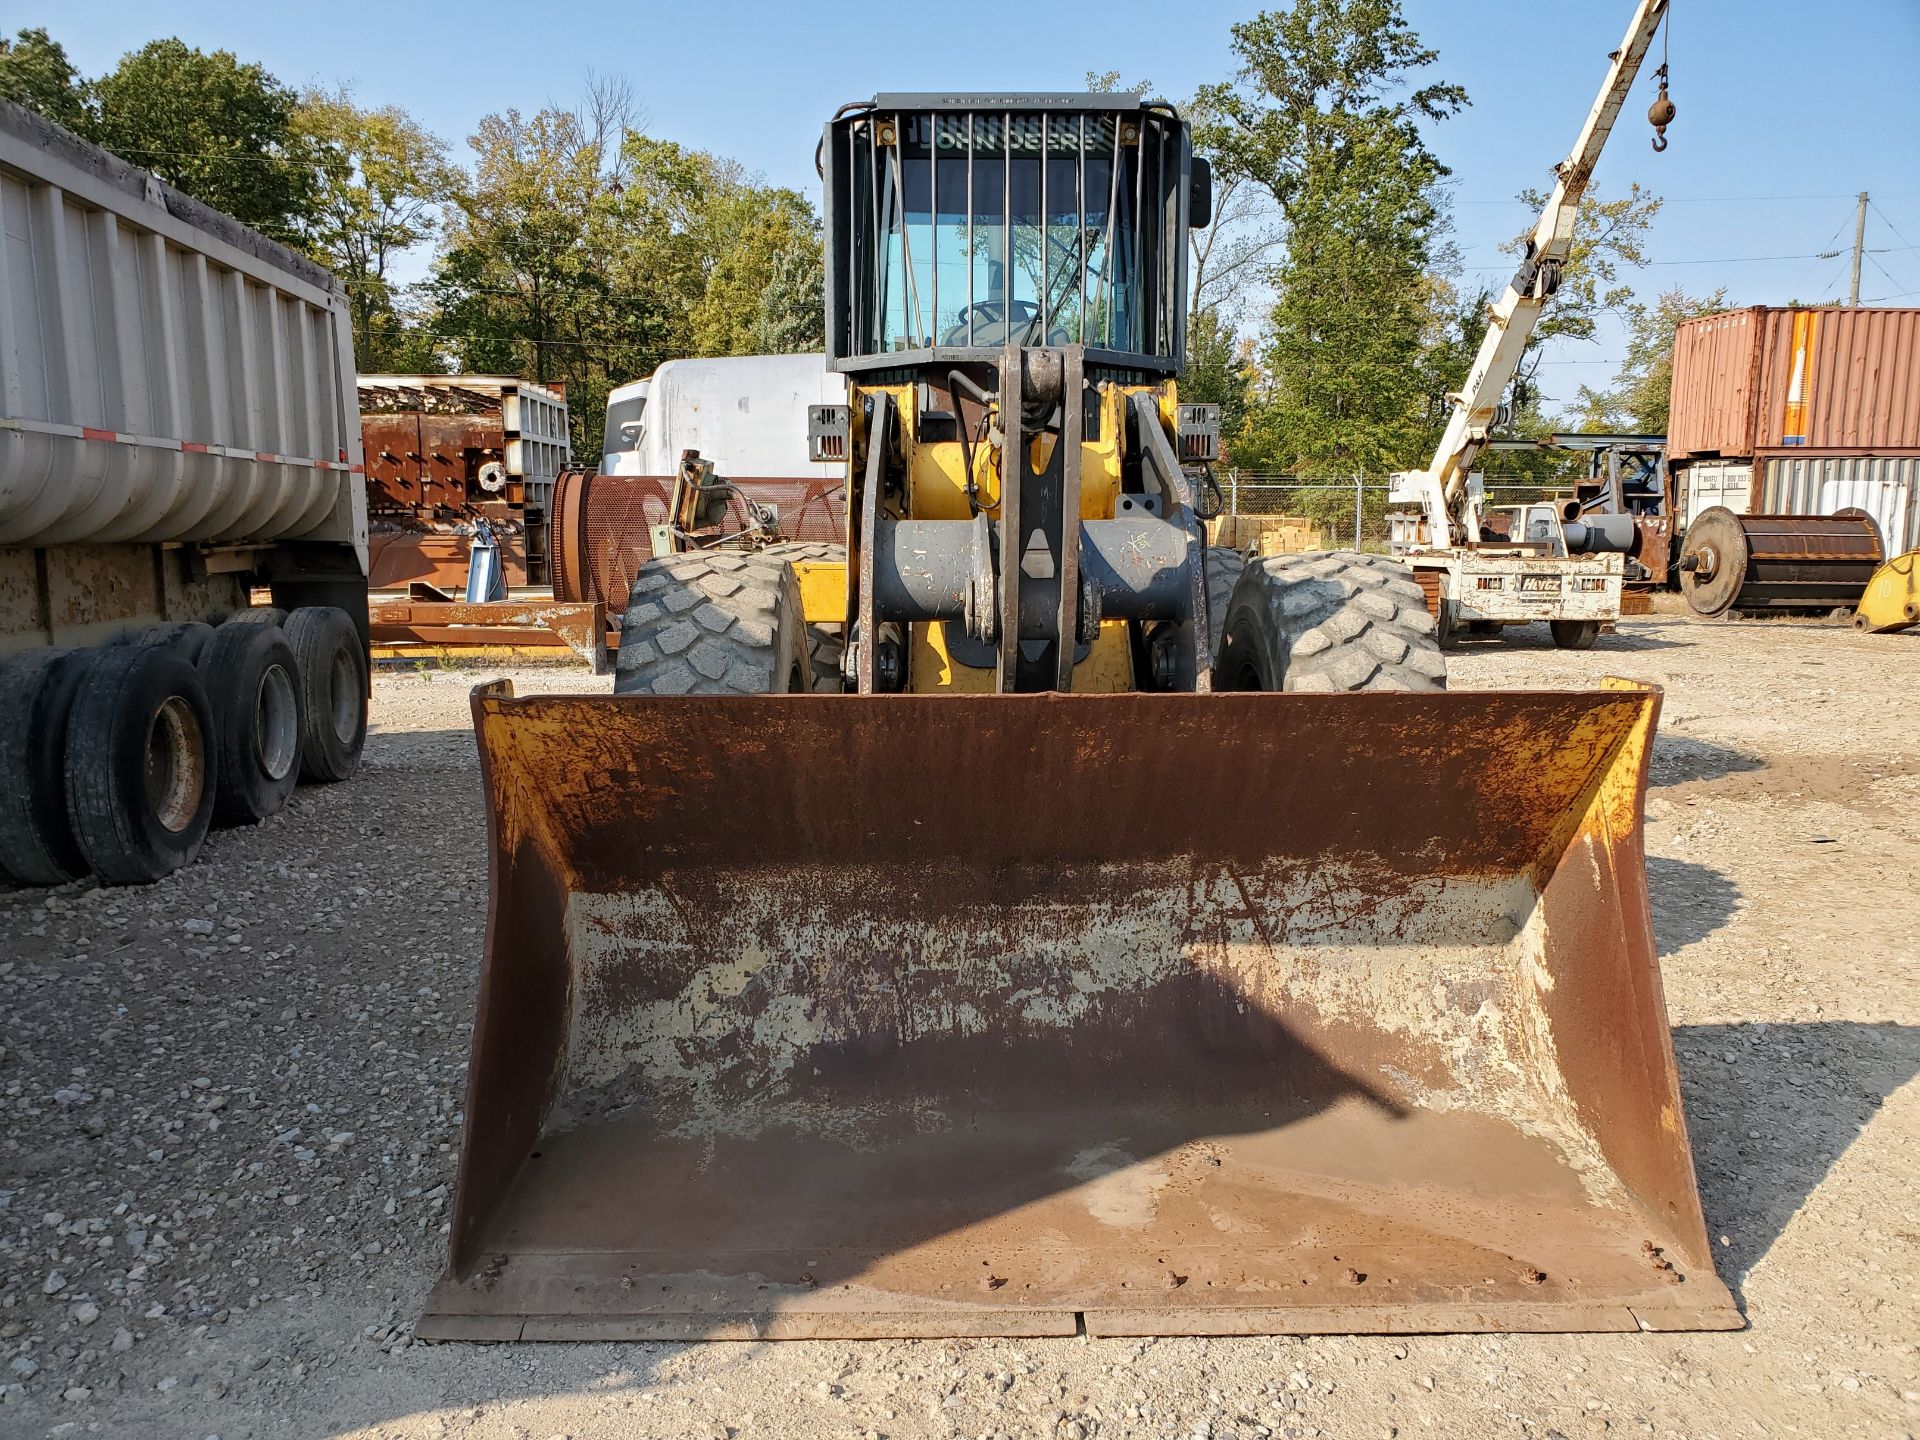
<point>276,723</point>
<point>343,696</point>
<point>175,764</point>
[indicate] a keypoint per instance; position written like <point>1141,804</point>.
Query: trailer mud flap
<point>851,1016</point>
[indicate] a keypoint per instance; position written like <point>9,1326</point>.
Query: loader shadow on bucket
<point>1262,1014</point>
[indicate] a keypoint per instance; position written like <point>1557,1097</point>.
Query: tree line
<point>1330,317</point>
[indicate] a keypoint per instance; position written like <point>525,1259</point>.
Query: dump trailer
<point>1135,939</point>
<point>183,525</point>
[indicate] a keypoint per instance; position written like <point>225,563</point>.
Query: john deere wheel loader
<point>1026,987</point>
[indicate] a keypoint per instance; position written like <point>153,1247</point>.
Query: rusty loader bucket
<point>1021,1015</point>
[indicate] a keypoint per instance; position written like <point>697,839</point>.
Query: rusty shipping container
<point>1799,412</point>
<point>1751,381</point>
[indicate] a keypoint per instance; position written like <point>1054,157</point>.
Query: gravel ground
<point>232,1104</point>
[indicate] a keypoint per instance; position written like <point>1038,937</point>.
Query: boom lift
<point>1566,569</point>
<point>954,1003</point>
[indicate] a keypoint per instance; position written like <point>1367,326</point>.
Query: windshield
<point>978,228</point>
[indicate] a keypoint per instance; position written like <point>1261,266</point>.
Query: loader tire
<point>1339,621</point>
<point>1224,569</point>
<point>824,645</point>
<point>713,624</point>
<point>37,687</point>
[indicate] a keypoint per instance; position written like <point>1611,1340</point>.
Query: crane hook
<point>1660,114</point>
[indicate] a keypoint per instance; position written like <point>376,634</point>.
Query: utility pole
<point>1859,248</point>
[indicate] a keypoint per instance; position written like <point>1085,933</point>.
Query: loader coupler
<point>1023,1015</point>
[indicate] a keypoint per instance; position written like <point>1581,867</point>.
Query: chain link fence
<point>1328,513</point>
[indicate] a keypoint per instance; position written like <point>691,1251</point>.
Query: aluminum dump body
<point>1148,1014</point>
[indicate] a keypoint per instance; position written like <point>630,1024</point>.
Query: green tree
<point>35,72</point>
<point>1641,392</point>
<point>1326,116</point>
<point>382,177</point>
<point>792,314</point>
<point>219,130</point>
<point>1219,372</point>
<point>1607,234</point>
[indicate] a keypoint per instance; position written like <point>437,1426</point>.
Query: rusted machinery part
<point>566,536</point>
<point>1777,562</point>
<point>1891,601</point>
<point>602,525</point>
<point>1319,1012</point>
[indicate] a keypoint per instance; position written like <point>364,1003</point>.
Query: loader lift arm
<point>1441,489</point>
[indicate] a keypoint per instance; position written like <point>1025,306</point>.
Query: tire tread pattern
<point>1343,621</point>
<point>710,623</point>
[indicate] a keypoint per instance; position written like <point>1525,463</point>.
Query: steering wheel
<point>991,312</point>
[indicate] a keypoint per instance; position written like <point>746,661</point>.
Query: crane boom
<point>1511,321</point>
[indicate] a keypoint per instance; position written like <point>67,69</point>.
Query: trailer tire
<point>333,692</point>
<point>186,637</point>
<point>1574,634</point>
<point>824,645</point>
<point>258,615</point>
<point>139,764</point>
<point>1225,566</point>
<point>714,624</point>
<point>253,685</point>
<point>1339,621</point>
<point>37,845</point>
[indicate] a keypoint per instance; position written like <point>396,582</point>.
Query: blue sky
<point>1787,109</point>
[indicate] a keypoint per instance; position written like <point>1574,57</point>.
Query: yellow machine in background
<point>1891,600</point>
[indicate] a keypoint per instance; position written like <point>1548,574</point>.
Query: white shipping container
<point>1705,485</point>
<point>1882,485</point>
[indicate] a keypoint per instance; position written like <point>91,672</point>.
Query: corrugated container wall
<point>1746,382</point>
<point>1887,487</point>
<point>165,374</point>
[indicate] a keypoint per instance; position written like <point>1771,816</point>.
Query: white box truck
<point>179,434</point>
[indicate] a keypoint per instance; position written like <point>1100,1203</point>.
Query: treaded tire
<point>713,624</point>
<point>824,645</point>
<point>188,637</point>
<point>1574,634</point>
<point>37,687</point>
<point>253,685</point>
<point>139,764</point>
<point>1334,621</point>
<point>333,692</point>
<point>258,615</point>
<point>1224,569</point>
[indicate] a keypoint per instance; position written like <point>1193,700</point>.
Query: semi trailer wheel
<point>186,637</point>
<point>1574,634</point>
<point>37,846</point>
<point>1336,621</point>
<point>258,615</point>
<point>714,624</point>
<point>332,674</point>
<point>139,764</point>
<point>253,684</point>
<point>824,645</point>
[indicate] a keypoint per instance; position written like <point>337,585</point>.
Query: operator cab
<point>960,224</point>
